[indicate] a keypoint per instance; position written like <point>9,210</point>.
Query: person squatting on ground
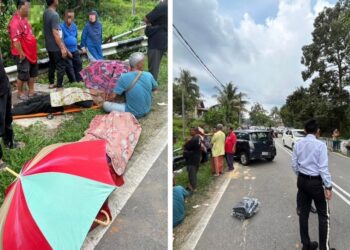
<point>310,164</point>
<point>55,47</point>
<point>230,148</point>
<point>157,33</point>
<point>91,38</point>
<point>70,39</point>
<point>179,195</point>
<point>192,154</point>
<point>218,151</point>
<point>137,87</point>
<point>23,49</point>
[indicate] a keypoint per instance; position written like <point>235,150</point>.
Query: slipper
<point>52,86</point>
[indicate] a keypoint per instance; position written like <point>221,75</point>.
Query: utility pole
<point>133,12</point>
<point>183,111</point>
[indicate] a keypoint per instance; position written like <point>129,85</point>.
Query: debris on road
<point>246,208</point>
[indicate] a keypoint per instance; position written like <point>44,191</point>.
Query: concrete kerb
<point>137,169</point>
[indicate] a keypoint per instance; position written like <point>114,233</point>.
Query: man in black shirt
<point>54,45</point>
<point>157,33</point>
<point>192,155</point>
<point>6,131</point>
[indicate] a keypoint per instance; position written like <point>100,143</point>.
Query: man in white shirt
<point>310,164</point>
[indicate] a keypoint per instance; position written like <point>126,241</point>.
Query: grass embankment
<point>38,136</point>
<point>204,176</point>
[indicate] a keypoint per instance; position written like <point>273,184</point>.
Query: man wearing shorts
<point>23,49</point>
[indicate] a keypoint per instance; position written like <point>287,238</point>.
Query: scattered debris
<point>246,208</point>
<point>161,104</point>
<point>196,206</point>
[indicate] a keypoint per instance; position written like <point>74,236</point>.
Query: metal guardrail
<point>108,49</point>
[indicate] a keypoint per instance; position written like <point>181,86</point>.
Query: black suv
<point>254,145</point>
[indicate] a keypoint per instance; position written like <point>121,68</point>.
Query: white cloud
<point>263,60</point>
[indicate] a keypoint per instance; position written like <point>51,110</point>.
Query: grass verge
<point>38,136</point>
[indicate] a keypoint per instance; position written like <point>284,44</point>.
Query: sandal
<point>23,97</point>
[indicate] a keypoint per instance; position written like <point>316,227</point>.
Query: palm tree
<point>190,92</point>
<point>231,101</point>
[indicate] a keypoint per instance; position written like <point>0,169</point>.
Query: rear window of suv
<point>242,136</point>
<point>260,136</point>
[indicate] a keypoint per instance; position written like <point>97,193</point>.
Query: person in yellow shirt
<point>218,151</point>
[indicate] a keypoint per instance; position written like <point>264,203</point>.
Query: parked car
<point>292,136</point>
<point>254,145</point>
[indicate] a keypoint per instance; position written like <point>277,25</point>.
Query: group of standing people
<point>221,146</point>
<point>61,42</point>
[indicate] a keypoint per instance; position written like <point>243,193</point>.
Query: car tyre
<point>244,158</point>
<point>270,158</point>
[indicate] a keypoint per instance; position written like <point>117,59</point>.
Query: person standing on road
<point>192,155</point>
<point>335,136</point>
<point>54,45</point>
<point>157,33</point>
<point>218,151</point>
<point>230,148</point>
<point>310,164</point>
<point>23,49</point>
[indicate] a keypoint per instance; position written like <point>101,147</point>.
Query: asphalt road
<point>142,223</point>
<point>275,226</point>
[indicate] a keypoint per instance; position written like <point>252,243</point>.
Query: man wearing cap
<point>137,86</point>
<point>23,49</point>
<point>310,164</point>
<point>54,45</point>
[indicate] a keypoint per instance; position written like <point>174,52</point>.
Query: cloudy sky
<point>255,44</point>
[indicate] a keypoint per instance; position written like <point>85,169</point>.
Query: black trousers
<point>6,131</point>
<point>73,67</point>
<point>192,175</point>
<point>57,63</point>
<point>154,59</point>
<point>308,190</point>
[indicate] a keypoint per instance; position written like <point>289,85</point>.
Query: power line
<point>195,55</point>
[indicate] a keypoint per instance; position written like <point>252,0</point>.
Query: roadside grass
<point>38,135</point>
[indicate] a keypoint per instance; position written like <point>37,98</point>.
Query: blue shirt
<point>70,36</point>
<point>310,157</point>
<point>139,98</point>
<point>179,194</point>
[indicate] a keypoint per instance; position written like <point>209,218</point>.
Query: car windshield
<point>260,136</point>
<point>299,133</point>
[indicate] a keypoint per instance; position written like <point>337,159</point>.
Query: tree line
<point>326,62</point>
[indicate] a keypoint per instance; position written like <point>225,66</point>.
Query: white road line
<point>333,183</point>
<point>196,234</point>
<point>341,189</point>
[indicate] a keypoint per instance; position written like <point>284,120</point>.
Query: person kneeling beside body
<point>137,86</point>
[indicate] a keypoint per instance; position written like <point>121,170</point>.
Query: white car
<point>291,136</point>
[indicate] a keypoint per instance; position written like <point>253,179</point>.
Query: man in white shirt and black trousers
<point>310,164</point>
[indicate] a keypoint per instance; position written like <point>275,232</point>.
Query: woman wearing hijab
<point>91,38</point>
